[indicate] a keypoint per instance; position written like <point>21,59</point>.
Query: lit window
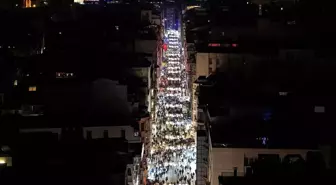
<point>32,89</point>
<point>319,109</point>
<point>2,161</point>
<point>64,75</point>
<point>15,82</point>
<point>283,93</point>
<point>214,45</point>
<point>291,22</point>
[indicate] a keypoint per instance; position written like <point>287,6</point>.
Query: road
<point>172,158</point>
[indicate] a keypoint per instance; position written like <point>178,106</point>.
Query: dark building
<point>73,89</point>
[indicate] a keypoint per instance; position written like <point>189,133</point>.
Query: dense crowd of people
<point>172,158</point>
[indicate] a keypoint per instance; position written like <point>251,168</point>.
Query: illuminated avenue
<point>172,158</point>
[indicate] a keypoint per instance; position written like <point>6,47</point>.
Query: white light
<point>60,33</point>
<point>281,8</point>
<point>2,161</point>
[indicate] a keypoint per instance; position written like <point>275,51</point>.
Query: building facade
<point>229,162</point>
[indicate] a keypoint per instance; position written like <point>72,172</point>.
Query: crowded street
<point>172,158</point>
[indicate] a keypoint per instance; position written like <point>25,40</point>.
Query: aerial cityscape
<point>167,92</point>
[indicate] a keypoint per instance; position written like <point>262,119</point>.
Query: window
<point>214,45</point>
<point>319,109</point>
<point>106,135</point>
<point>260,10</point>
<point>1,99</point>
<point>32,88</point>
<point>235,171</point>
<point>142,125</point>
<point>88,134</point>
<point>283,93</point>
<point>217,62</point>
<point>64,75</point>
<point>123,133</point>
<point>59,75</point>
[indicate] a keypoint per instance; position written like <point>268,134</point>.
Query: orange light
<point>27,4</point>
<point>32,89</point>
